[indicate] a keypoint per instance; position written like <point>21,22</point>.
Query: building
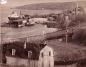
<point>46,58</point>
<point>24,54</point>
<point>54,54</point>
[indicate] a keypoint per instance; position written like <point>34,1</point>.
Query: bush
<point>80,36</point>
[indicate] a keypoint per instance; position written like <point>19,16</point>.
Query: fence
<point>23,63</point>
<point>18,62</point>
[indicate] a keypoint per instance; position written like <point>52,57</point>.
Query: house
<point>27,54</point>
<point>46,58</point>
<point>53,53</point>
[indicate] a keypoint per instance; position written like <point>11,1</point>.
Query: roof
<point>67,52</point>
<point>19,46</point>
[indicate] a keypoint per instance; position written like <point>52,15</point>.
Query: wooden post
<point>20,13</point>
<point>77,7</point>
<point>25,45</point>
<point>66,37</point>
<point>29,57</point>
<point>44,35</point>
<point>66,21</point>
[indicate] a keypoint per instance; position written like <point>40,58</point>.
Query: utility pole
<point>44,35</point>
<point>77,6</point>
<point>76,9</point>
<point>67,23</point>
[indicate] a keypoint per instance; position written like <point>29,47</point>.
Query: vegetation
<point>69,18</point>
<point>80,36</point>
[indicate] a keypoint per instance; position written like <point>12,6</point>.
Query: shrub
<point>79,36</point>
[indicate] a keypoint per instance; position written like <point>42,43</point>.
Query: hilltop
<point>52,6</point>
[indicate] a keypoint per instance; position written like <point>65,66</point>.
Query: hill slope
<point>51,6</point>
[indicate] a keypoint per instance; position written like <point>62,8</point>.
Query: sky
<point>13,3</point>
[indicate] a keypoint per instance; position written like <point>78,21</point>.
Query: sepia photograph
<point>42,33</point>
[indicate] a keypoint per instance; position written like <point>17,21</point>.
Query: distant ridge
<point>52,6</point>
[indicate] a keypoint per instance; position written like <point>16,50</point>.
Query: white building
<point>46,58</point>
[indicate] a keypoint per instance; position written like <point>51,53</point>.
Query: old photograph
<point>42,33</point>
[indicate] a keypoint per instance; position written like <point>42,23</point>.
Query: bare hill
<point>52,6</point>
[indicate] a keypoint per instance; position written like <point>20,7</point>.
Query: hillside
<point>52,6</point>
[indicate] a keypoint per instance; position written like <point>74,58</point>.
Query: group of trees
<point>75,17</point>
